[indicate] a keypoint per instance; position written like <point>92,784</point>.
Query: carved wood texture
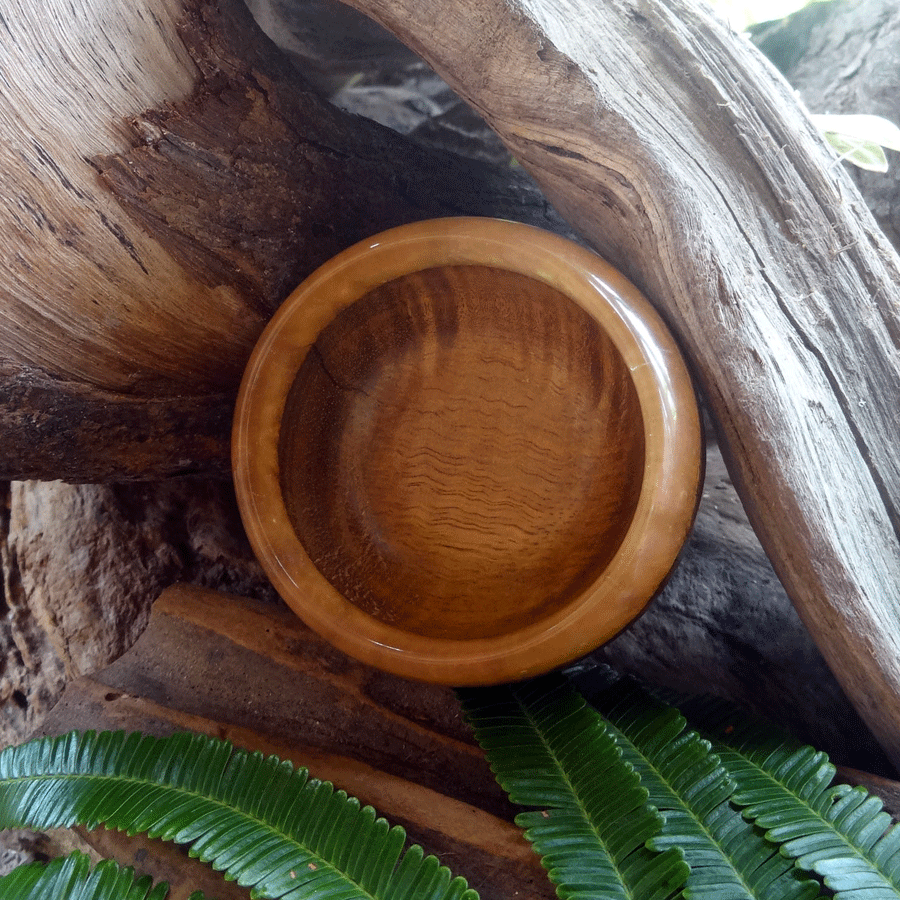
<point>418,435</point>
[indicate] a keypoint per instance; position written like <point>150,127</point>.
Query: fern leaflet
<point>72,876</point>
<point>729,858</point>
<point>263,823</point>
<point>838,832</point>
<point>549,750</point>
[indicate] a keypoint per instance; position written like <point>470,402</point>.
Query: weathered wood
<point>672,146</point>
<point>81,433</point>
<point>777,281</point>
<point>842,59</point>
<point>159,208</point>
<point>330,41</point>
<point>80,566</point>
<point>724,626</point>
<point>253,674</point>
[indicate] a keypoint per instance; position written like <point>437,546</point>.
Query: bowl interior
<point>461,452</point>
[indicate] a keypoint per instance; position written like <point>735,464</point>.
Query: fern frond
<point>838,832</point>
<point>549,750</point>
<point>72,876</point>
<point>263,823</point>
<point>729,858</point>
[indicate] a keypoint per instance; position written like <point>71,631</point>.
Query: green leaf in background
<point>549,749</point>
<point>838,832</point>
<point>257,819</point>
<point>729,858</point>
<point>859,139</point>
<point>72,876</point>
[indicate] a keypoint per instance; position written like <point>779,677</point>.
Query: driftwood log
<point>677,153</point>
<point>160,208</point>
<point>842,59</point>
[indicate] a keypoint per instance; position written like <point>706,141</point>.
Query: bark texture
<point>54,429</point>
<point>81,565</point>
<point>842,58</point>
<point>154,222</point>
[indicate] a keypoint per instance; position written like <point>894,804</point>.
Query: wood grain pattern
<point>166,178</point>
<point>678,152</point>
<point>454,453</point>
<point>462,451</point>
<point>57,429</point>
<point>67,93</point>
<point>777,280</point>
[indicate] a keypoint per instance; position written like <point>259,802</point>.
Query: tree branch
<point>677,151</point>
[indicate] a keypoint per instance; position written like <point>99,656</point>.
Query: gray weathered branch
<point>679,153</point>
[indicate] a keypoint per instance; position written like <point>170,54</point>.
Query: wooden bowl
<point>467,451</point>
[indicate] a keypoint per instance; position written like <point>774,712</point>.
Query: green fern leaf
<point>838,832</point>
<point>549,750</point>
<point>261,822</point>
<point>729,858</point>
<point>72,876</point>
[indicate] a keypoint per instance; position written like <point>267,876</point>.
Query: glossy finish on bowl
<point>467,451</point>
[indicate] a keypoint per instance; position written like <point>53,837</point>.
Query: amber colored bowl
<point>467,451</point>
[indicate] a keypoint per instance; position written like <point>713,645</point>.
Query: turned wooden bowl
<point>467,451</point>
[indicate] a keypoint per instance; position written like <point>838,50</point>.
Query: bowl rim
<point>666,503</point>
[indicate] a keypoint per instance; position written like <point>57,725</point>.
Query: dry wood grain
<point>665,138</point>
<point>74,74</point>
<point>68,430</point>
<point>80,565</point>
<point>671,144</point>
<point>166,178</point>
<point>842,59</point>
